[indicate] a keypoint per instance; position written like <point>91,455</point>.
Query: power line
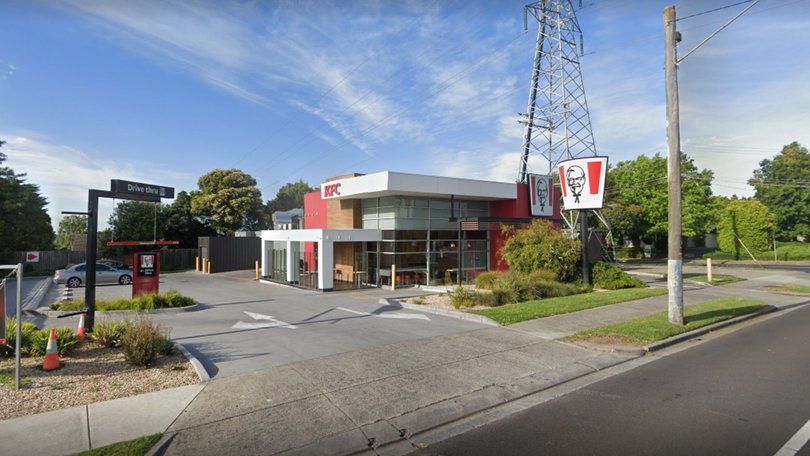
<point>713,10</point>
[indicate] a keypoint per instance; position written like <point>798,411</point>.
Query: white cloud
<point>64,173</point>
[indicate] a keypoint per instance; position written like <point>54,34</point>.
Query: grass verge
<point>136,447</point>
<point>530,310</point>
<point>789,289</point>
<point>717,279</point>
<point>655,327</point>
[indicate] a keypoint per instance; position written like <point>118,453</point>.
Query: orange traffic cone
<point>51,353</point>
<point>80,328</point>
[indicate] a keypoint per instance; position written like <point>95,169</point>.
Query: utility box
<point>145,273</point>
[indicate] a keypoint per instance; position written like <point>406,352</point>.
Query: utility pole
<point>674,255</point>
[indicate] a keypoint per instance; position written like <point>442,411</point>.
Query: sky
<point>163,92</point>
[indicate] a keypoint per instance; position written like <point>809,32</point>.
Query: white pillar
<point>292,261</point>
<point>326,263</point>
<point>266,256</point>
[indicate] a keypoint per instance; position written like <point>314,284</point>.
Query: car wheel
<point>125,280</point>
<point>74,282</point>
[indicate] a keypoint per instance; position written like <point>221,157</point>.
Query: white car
<point>75,276</point>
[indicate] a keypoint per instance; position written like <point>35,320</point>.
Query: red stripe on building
<point>594,176</point>
<point>533,189</point>
<point>562,182</point>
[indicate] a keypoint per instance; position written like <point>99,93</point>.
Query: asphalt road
<point>746,392</point>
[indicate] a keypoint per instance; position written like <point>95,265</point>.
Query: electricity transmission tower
<point>558,126</point>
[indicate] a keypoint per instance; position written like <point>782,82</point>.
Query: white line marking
<point>271,322</point>
<point>796,442</point>
<point>398,315</point>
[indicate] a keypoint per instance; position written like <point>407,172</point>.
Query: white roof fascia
<point>388,183</point>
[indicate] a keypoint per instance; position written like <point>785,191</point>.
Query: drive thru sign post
<point>119,189</point>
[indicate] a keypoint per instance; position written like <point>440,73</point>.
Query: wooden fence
<point>49,260</point>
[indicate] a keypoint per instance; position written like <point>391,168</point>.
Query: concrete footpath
<point>372,401</point>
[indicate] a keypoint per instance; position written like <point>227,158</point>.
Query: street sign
<point>141,189</point>
<point>32,257</point>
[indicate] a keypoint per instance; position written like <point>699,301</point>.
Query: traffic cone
<point>51,353</point>
<point>80,328</point>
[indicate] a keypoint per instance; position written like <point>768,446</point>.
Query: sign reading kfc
<point>583,182</point>
<point>331,190</point>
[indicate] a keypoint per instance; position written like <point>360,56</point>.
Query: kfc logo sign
<point>583,182</point>
<point>330,190</point>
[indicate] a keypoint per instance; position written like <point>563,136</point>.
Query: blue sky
<point>163,92</point>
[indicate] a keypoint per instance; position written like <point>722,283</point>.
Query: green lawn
<point>655,327</point>
<point>788,289</point>
<point>717,279</point>
<point>785,251</point>
<point>137,447</point>
<point>515,313</point>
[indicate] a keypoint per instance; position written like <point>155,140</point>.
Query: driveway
<point>242,325</point>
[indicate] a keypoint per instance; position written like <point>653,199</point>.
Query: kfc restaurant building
<point>405,229</point>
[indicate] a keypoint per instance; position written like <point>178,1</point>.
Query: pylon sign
<point>583,182</point>
<point>541,195</point>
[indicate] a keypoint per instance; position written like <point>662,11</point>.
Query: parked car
<point>115,264</point>
<point>75,276</point>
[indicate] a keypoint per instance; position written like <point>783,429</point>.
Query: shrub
<point>171,298</point>
<point>487,280</point>
<point>462,297</point>
<point>143,341</point>
<point>515,287</point>
<point>28,331</point>
<point>550,289</point>
<point>611,277</point>
<point>542,275</point>
<point>542,246</point>
<point>108,332</point>
<point>66,341</point>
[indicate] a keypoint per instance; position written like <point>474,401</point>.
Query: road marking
<point>398,315</point>
<point>796,442</point>
<point>270,322</point>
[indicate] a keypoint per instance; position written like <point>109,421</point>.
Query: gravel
<point>91,373</point>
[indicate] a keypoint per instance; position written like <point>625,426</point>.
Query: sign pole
<point>583,236</point>
<point>17,344</point>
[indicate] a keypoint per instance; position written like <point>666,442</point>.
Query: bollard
<point>709,269</point>
<point>257,270</point>
<point>209,266</point>
<point>393,277</point>
<point>204,264</point>
<point>197,264</point>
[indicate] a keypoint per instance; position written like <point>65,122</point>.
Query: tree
<point>783,185</point>
<point>24,222</point>
<point>69,227</point>
<point>745,223</point>
<point>182,225</point>
<point>637,191</point>
<point>542,246</point>
<point>229,199</point>
<point>137,221</point>
<point>290,196</point>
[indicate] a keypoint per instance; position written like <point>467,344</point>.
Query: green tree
<point>182,225</point>
<point>137,221</point>
<point>228,199</point>
<point>69,227</point>
<point>745,223</point>
<point>783,185</point>
<point>638,193</point>
<point>290,196</point>
<point>542,246</point>
<point>24,222</point>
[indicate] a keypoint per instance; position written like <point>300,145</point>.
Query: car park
<point>75,276</point>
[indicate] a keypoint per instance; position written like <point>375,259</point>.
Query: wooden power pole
<point>674,255</point>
